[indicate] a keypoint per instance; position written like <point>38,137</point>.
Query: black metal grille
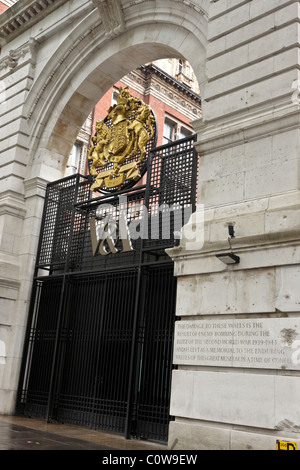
<point>59,219</point>
<point>95,347</point>
<point>100,334</point>
<point>155,341</point>
<point>172,190</point>
<point>41,346</point>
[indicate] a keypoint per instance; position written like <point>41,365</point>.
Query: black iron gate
<point>98,349</point>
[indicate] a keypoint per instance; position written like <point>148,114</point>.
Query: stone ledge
<point>9,289</point>
<point>254,253</point>
<point>191,435</point>
<point>266,237</point>
<point>35,187</point>
<point>23,16</point>
<point>197,435</point>
<point>12,204</point>
<point>244,127</point>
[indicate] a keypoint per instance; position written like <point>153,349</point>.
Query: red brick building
<point>4,4</point>
<point>171,100</point>
<point>174,99</point>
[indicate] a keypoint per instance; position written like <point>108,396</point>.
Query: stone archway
<point>86,81</point>
<point>58,60</point>
<point>249,176</point>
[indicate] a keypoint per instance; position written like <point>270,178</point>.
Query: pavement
<point>20,433</point>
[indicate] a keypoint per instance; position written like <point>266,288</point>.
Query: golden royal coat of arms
<point>118,150</point>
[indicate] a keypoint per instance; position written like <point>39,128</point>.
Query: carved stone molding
<point>112,16</point>
<point>191,4</point>
<point>58,65</point>
<point>245,127</point>
<point>12,203</point>
<point>12,60</point>
<point>35,187</point>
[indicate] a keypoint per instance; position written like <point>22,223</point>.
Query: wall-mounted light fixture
<point>229,258</point>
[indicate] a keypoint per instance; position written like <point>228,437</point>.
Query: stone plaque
<point>263,343</point>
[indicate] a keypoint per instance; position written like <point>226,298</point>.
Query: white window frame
<point>177,128</point>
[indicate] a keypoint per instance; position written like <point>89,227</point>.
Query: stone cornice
<point>145,80</point>
<point>12,204</point>
<point>255,253</point>
<point>195,5</point>
<point>153,69</point>
<point>35,187</point>
<point>242,128</point>
<point>23,15</point>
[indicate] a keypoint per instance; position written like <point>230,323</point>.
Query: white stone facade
<point>57,59</point>
<point>249,176</point>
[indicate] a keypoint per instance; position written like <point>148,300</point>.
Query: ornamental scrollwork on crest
<point>120,146</point>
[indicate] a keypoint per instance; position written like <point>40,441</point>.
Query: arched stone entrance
<point>245,56</point>
<point>55,68</point>
<point>84,84</point>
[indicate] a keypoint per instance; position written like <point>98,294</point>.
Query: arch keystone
<point>112,16</point>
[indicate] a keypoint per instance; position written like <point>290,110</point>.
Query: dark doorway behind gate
<point>99,341</point>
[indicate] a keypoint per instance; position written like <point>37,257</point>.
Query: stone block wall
<point>248,144</point>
